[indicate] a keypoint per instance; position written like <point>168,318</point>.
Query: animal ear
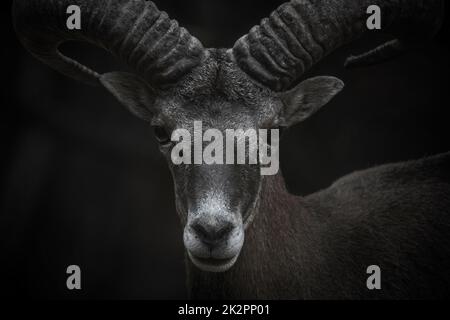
<point>131,91</point>
<point>307,98</point>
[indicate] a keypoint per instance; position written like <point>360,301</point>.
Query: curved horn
<point>302,32</point>
<point>134,30</point>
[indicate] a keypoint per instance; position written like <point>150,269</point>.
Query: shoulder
<point>404,184</point>
<point>430,169</point>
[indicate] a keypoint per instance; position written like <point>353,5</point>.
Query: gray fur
<point>395,216</point>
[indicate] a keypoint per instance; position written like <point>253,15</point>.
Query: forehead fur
<point>219,77</point>
<point>220,94</point>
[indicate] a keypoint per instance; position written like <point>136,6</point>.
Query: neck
<point>279,227</point>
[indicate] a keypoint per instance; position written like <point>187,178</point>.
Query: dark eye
<point>161,134</point>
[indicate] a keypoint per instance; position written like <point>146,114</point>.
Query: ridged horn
<point>300,33</point>
<point>135,31</point>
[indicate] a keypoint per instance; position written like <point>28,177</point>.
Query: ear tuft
<point>131,91</point>
<point>308,97</point>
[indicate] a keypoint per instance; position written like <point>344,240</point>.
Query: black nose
<point>212,231</point>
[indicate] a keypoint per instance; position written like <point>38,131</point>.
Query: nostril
<point>212,233</point>
<point>200,230</point>
<point>224,231</point>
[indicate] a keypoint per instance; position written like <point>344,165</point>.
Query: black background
<point>83,182</point>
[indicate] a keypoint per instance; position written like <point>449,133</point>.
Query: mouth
<point>213,264</point>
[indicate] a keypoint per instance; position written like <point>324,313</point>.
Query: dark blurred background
<point>83,182</point>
